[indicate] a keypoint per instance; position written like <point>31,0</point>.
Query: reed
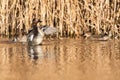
<point>73,18</point>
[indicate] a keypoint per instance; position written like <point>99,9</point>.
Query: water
<point>66,59</point>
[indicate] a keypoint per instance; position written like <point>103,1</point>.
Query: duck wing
<point>49,30</point>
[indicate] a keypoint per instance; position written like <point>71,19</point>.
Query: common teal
<point>36,33</point>
<point>100,37</point>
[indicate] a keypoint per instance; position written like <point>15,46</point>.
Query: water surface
<point>66,59</point>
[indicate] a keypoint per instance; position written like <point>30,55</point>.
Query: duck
<point>99,37</point>
<point>21,37</point>
<point>37,33</point>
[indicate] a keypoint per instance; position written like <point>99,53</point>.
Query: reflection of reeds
<point>71,17</point>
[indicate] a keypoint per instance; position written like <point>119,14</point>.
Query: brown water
<point>66,59</point>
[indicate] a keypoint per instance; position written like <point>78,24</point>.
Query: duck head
<point>35,21</point>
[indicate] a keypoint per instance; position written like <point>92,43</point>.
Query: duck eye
<point>44,29</point>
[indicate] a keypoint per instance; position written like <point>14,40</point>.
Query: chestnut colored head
<point>35,21</point>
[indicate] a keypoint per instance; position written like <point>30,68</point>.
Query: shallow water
<point>66,59</point>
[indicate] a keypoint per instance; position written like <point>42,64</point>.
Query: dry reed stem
<point>71,17</point>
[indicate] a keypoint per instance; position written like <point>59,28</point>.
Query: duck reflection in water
<point>35,52</point>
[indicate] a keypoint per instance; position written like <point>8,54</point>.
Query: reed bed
<point>73,18</point>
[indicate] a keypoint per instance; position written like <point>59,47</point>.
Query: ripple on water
<point>66,59</point>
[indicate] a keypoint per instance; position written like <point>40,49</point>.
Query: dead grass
<point>72,17</point>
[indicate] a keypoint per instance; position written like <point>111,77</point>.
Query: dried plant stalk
<point>71,17</point>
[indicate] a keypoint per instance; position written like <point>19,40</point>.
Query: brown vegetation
<point>72,17</point>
